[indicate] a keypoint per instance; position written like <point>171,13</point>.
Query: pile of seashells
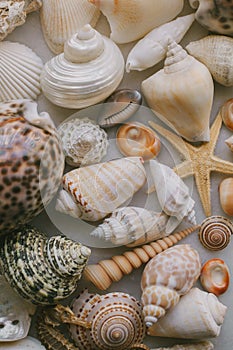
<point>45,275</point>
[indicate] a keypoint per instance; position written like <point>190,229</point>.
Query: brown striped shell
<point>215,232</point>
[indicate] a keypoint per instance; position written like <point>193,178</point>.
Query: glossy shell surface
<point>227,113</point>
<point>226,195</point>
<point>215,276</point>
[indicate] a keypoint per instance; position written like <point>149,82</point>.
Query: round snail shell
<point>226,195</point>
<point>215,276</point>
<point>215,232</point>
<point>135,139</point>
<point>227,113</point>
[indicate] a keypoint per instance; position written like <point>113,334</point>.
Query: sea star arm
<point>221,166</point>
<point>202,179</point>
<point>184,169</point>
<point>214,132</point>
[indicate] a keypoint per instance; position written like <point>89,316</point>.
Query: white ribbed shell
<point>20,71</point>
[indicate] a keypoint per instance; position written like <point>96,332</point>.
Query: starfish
<point>199,161</point>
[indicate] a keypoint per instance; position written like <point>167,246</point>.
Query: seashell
<point>42,270</point>
<point>31,163</point>
<point>215,232</point>
<point>153,47</point>
<point>60,19</point>
<point>83,141</point>
<point>13,13</point>
<point>198,315</point>
<point>135,139</point>
<point>166,278</point>
<point>204,345</point>
<point>215,276</point>
<point>132,20</point>
<point>120,106</point>
<point>226,112</point>
<point>92,192</point>
<point>15,314</point>
<point>216,16</point>
<point>173,195</point>
<point>133,226</point>
<point>20,72</point>
<point>89,70</point>
<point>116,321</point>
<point>107,271</point>
<point>229,142</point>
<point>226,195</point>
<point>216,53</point>
<point>181,94</point>
<point>26,343</point>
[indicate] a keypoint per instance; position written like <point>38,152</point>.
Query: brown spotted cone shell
<point>31,163</point>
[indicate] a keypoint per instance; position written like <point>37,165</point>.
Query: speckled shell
<point>226,195</point>
<point>215,276</point>
<point>216,52</point>
<point>226,112</point>
<point>198,315</point>
<point>23,344</point>
<point>42,270</point>
<point>116,321</point>
<point>31,162</point>
<point>83,141</point>
<point>15,314</point>
<point>216,16</point>
<point>94,191</point>
<point>173,195</point>
<point>165,278</point>
<point>204,345</point>
<point>132,225</point>
<point>215,232</point>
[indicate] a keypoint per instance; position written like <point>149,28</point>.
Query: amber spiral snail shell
<point>215,232</point>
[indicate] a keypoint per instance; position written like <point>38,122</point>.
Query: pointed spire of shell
<point>175,57</point>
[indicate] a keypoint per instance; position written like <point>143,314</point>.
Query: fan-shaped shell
<point>226,112</point>
<point>19,72</point>
<point>83,141</point>
<point>88,71</point>
<point>60,19</point>
<point>215,232</point>
<point>116,321</point>
<point>26,343</point>
<point>31,163</point>
<point>165,278</point>
<point>135,139</point>
<point>42,270</point>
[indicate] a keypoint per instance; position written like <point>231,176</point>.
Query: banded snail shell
<point>215,232</point>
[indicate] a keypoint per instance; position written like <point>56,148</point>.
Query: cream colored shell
<point>88,71</point>
<point>204,345</point>
<point>226,193</point>
<point>23,344</point>
<point>226,112</point>
<point>198,315</point>
<point>181,94</point>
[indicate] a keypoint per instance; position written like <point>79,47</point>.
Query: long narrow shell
<point>173,195</point>
<point>153,47</point>
<point>204,345</point>
<point>19,72</point>
<point>216,52</point>
<point>166,278</point>
<point>132,226</point>
<point>107,271</point>
<point>94,191</point>
<point>198,315</point>
<point>132,19</point>
<point>60,19</point>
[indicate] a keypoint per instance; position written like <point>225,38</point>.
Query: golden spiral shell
<point>215,232</point>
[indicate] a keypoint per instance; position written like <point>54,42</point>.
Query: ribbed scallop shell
<point>83,141</point>
<point>60,19</point>
<point>88,71</point>
<point>116,321</point>
<point>20,72</point>
<point>215,232</point>
<point>42,270</point>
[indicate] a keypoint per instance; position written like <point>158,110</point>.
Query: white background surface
<point>31,35</point>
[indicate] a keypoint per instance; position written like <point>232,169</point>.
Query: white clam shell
<point>24,344</point>
<point>153,47</point>
<point>20,72</point>
<point>60,19</point>
<point>89,70</point>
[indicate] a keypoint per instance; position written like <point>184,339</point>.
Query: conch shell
<point>204,345</point>
<point>181,94</point>
<point>198,315</point>
<point>88,71</point>
<point>166,278</point>
<point>216,52</point>
<point>94,191</point>
<point>132,19</point>
<point>153,47</point>
<point>132,226</point>
<point>173,195</point>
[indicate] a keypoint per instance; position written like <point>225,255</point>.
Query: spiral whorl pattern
<point>215,232</point>
<point>107,271</point>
